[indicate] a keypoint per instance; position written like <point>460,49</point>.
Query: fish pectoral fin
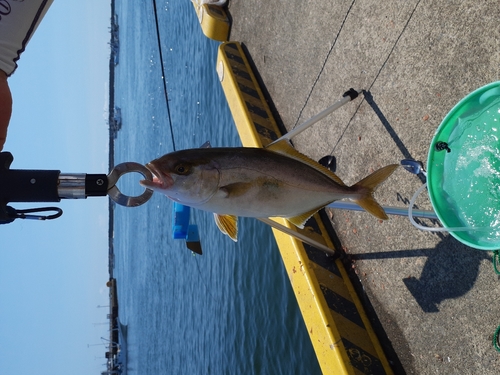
<point>228,224</point>
<point>285,148</point>
<point>301,219</point>
<point>234,190</point>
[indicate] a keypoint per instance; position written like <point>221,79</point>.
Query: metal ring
<point>117,196</point>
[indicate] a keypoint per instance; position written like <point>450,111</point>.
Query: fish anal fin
<point>301,219</point>
<point>285,148</point>
<point>367,186</point>
<point>228,224</point>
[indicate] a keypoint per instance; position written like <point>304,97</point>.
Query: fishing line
<point>208,290</point>
<point>170,118</point>
<point>168,111</point>
<point>378,73</point>
<point>324,63</point>
<point>163,77</point>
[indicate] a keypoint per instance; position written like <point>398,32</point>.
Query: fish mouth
<point>161,180</point>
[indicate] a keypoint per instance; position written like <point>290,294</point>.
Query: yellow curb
<point>214,21</point>
<point>340,331</point>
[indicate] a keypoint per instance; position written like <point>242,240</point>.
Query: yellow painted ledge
<point>214,21</point>
<point>340,331</point>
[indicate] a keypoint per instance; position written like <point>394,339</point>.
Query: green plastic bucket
<point>463,169</point>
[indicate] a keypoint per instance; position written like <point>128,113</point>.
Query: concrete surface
<point>436,299</point>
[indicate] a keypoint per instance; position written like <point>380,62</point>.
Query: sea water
<point>471,174</point>
<point>231,310</point>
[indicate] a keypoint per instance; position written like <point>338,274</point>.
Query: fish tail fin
<point>367,187</point>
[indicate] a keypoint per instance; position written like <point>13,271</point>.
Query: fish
<point>276,181</point>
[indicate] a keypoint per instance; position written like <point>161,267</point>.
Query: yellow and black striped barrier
<point>340,331</point>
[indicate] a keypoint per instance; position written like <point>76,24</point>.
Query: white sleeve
<point>18,21</point>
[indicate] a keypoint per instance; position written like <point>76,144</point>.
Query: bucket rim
<point>434,164</point>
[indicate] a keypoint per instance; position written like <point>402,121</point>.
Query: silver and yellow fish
<point>257,182</point>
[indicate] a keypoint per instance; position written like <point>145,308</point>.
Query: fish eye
<point>181,169</point>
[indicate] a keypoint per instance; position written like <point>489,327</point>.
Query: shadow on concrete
<point>451,268</point>
<point>450,271</point>
<point>399,143</point>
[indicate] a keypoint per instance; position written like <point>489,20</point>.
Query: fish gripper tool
<point>51,186</point>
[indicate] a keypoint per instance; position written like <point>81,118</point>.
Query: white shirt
<point>18,21</point>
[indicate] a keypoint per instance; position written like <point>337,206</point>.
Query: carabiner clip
<point>117,196</point>
<point>25,214</point>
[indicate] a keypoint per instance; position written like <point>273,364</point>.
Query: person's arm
<point>5,107</point>
<point>18,21</point>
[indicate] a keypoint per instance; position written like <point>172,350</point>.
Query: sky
<point>53,273</point>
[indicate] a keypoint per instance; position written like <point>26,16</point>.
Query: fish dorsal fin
<point>285,148</point>
<point>228,224</point>
<point>301,219</point>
